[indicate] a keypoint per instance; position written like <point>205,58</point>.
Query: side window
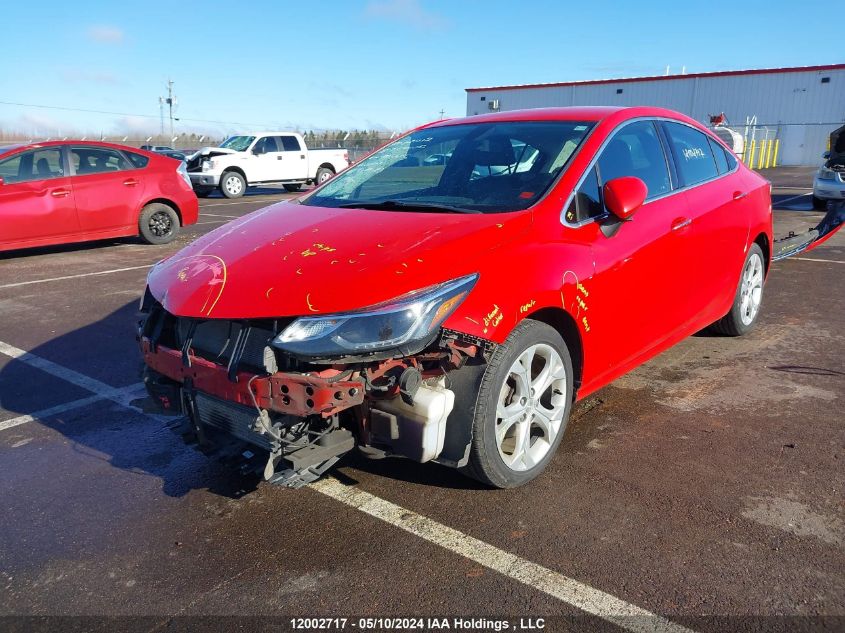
<point>692,153</point>
<point>265,144</point>
<point>731,158</point>
<point>39,164</point>
<point>719,155</point>
<point>288,143</point>
<point>97,160</point>
<point>137,160</point>
<point>587,201</point>
<point>635,150</point>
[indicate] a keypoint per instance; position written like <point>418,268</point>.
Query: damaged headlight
<point>399,324</point>
<point>826,174</point>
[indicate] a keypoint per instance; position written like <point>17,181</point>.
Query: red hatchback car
<point>449,297</point>
<point>75,191</point>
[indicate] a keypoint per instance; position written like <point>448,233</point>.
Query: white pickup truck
<point>262,158</point>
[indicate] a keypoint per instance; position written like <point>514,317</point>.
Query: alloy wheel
<point>751,289</point>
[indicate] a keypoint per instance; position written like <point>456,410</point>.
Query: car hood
<point>291,259</point>
<point>213,151</point>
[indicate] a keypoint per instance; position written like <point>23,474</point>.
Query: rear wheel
<point>522,408</point>
<point>232,184</point>
<point>748,299</point>
<point>203,192</point>
<point>323,174</point>
<point>158,224</point>
<point>293,187</point>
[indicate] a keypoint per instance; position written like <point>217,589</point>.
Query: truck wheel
<point>293,187</point>
<point>749,296</point>
<point>323,174</point>
<point>158,224</point>
<point>203,192</point>
<point>522,408</point>
<point>232,184</point>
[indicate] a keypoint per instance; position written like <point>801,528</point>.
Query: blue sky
<point>388,64</point>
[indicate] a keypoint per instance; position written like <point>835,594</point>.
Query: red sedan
<point>449,297</point>
<point>76,191</point>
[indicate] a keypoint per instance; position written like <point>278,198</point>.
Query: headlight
<point>827,174</point>
<point>402,323</point>
<point>207,165</point>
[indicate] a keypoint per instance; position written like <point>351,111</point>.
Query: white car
<point>262,158</point>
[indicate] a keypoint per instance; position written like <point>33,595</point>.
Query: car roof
<point>573,113</point>
<point>77,143</point>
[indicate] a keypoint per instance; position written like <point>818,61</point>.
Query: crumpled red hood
<point>291,260</point>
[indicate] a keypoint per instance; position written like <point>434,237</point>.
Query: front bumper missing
<point>794,244</point>
<point>226,416</point>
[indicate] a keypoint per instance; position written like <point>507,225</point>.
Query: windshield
<point>485,167</point>
<point>237,143</point>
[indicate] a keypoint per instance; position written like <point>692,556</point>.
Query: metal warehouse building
<point>791,109</point>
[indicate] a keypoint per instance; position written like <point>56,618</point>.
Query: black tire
<point>486,463</point>
<point>158,224</point>
<point>293,187</point>
<point>733,324</point>
<point>819,203</point>
<point>323,174</point>
<point>203,192</point>
<point>232,184</point>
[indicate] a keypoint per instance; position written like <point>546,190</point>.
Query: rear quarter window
<point>138,160</point>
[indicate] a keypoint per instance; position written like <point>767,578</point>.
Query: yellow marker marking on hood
<point>308,301</point>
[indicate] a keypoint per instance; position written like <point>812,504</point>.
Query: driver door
<point>266,164</point>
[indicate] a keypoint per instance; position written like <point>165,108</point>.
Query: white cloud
<point>105,34</point>
<point>409,12</point>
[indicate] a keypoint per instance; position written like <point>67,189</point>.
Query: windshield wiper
<point>397,205</point>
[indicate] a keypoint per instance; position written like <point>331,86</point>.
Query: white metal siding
<point>777,99</point>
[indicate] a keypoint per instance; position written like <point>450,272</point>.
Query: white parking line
<point>217,215</point>
<point>251,201</point>
<point>568,590</point>
<point>123,396</point>
<point>803,195</point>
<point>810,259</point>
<point>211,222</point>
<point>101,272</point>
<point>577,594</point>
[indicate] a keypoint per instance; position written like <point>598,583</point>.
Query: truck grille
<point>233,419</point>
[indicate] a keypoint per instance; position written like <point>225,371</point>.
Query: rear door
<point>641,265</point>
<point>294,157</point>
<point>36,197</point>
<point>717,201</point>
<point>107,187</point>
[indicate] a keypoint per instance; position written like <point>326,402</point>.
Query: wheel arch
<point>328,166</point>
<point>565,324</point>
<point>166,202</point>
<point>236,169</point>
<point>762,240</point>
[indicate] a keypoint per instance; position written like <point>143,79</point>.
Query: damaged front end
<point>793,244</point>
<point>255,395</point>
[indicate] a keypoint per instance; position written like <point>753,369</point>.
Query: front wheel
<point>232,184</point>
<point>203,192</point>
<point>522,408</point>
<point>293,187</point>
<point>748,298</point>
<point>323,174</point>
<point>158,224</point>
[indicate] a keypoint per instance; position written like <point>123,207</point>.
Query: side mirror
<point>826,155</point>
<point>623,196</point>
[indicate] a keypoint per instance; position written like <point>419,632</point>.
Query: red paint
<point>83,207</point>
<point>722,73</point>
<point>630,295</point>
<point>624,195</point>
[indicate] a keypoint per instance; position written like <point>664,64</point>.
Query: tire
<point>203,192</point>
<point>232,184</point>
<point>505,462</point>
<point>293,187</point>
<point>819,203</point>
<point>742,316</point>
<point>323,174</point>
<point>158,224</point>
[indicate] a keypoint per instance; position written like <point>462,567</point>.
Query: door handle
<point>679,223</point>
<point>60,193</point>
<point>302,156</point>
<point>279,157</point>
<point>130,182</point>
<point>739,195</point>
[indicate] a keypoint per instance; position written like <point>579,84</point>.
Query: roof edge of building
<point>721,73</point>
